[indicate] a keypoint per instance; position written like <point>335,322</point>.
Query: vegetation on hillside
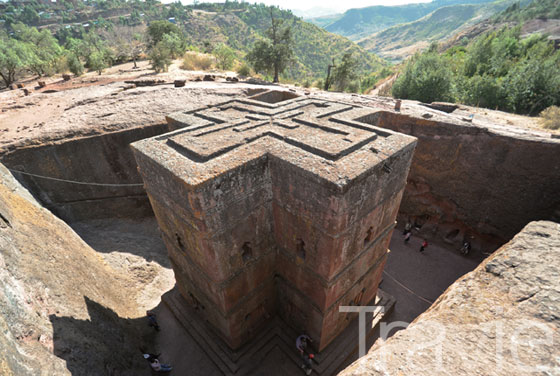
<point>359,23</point>
<point>499,70</point>
<point>436,26</point>
<point>103,29</point>
<point>543,9</point>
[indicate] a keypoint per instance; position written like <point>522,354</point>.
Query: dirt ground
<point>134,247</point>
<point>30,116</point>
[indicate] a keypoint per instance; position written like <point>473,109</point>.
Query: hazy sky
<point>332,4</point>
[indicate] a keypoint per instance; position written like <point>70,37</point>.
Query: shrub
<point>426,78</point>
<point>74,64</point>
<point>160,58</point>
<point>224,56</point>
<point>195,61</point>
<point>550,118</point>
<point>96,61</point>
<point>244,70</point>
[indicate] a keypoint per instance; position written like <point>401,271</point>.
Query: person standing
<point>407,228</point>
<point>301,343</point>
<point>155,364</point>
<point>424,245</point>
<point>152,321</point>
<point>407,237</point>
<point>308,363</point>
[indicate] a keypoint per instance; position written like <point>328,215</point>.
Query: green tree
<point>426,78</point>
<point>46,49</point>
<point>276,53</point>
<point>174,43</point>
<point>29,15</point>
<point>97,61</point>
<point>345,72</point>
<point>15,57</point>
<point>74,64</point>
<point>160,58</point>
<point>225,56</point>
<point>157,29</point>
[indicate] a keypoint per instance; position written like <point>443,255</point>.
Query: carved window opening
<point>369,236</point>
<point>179,241</point>
<point>358,298</point>
<point>300,249</point>
<point>246,252</point>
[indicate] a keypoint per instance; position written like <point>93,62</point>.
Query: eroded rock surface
<point>501,319</point>
<point>63,309</point>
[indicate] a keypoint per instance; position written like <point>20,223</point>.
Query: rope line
<point>77,182</point>
<point>407,289</point>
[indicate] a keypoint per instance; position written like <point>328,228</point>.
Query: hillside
<point>542,9</point>
<point>362,22</point>
<point>539,16</point>
<point>239,28</point>
<point>398,42</point>
<point>204,26</point>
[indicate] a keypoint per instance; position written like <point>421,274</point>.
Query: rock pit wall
<point>89,142</point>
<point>500,319</point>
<point>63,311</point>
<point>105,158</point>
<point>474,182</point>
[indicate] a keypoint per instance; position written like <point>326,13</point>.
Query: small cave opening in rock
<point>369,236</point>
<point>300,249</point>
<point>246,252</point>
<point>179,242</point>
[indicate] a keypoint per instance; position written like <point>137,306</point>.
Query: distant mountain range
<point>313,12</point>
<point>395,32</point>
<point>356,24</point>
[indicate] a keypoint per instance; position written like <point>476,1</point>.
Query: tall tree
<point>157,29</point>
<point>224,55</point>
<point>46,49</point>
<point>345,72</point>
<point>15,57</point>
<point>126,41</point>
<point>273,55</point>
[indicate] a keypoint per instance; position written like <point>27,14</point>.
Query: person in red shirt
<point>424,245</point>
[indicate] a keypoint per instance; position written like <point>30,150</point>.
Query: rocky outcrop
<point>62,309</point>
<point>501,319</point>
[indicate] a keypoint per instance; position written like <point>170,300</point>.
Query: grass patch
<point>550,118</point>
<point>196,61</point>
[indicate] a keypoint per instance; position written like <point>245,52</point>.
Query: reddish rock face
<point>282,207</point>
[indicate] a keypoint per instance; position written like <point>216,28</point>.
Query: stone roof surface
<point>324,137</point>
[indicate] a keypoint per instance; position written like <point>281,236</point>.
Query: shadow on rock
<point>140,237</point>
<point>106,344</point>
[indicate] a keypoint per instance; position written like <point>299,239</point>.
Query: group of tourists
<point>307,358</point>
<point>153,359</point>
<point>407,233</point>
